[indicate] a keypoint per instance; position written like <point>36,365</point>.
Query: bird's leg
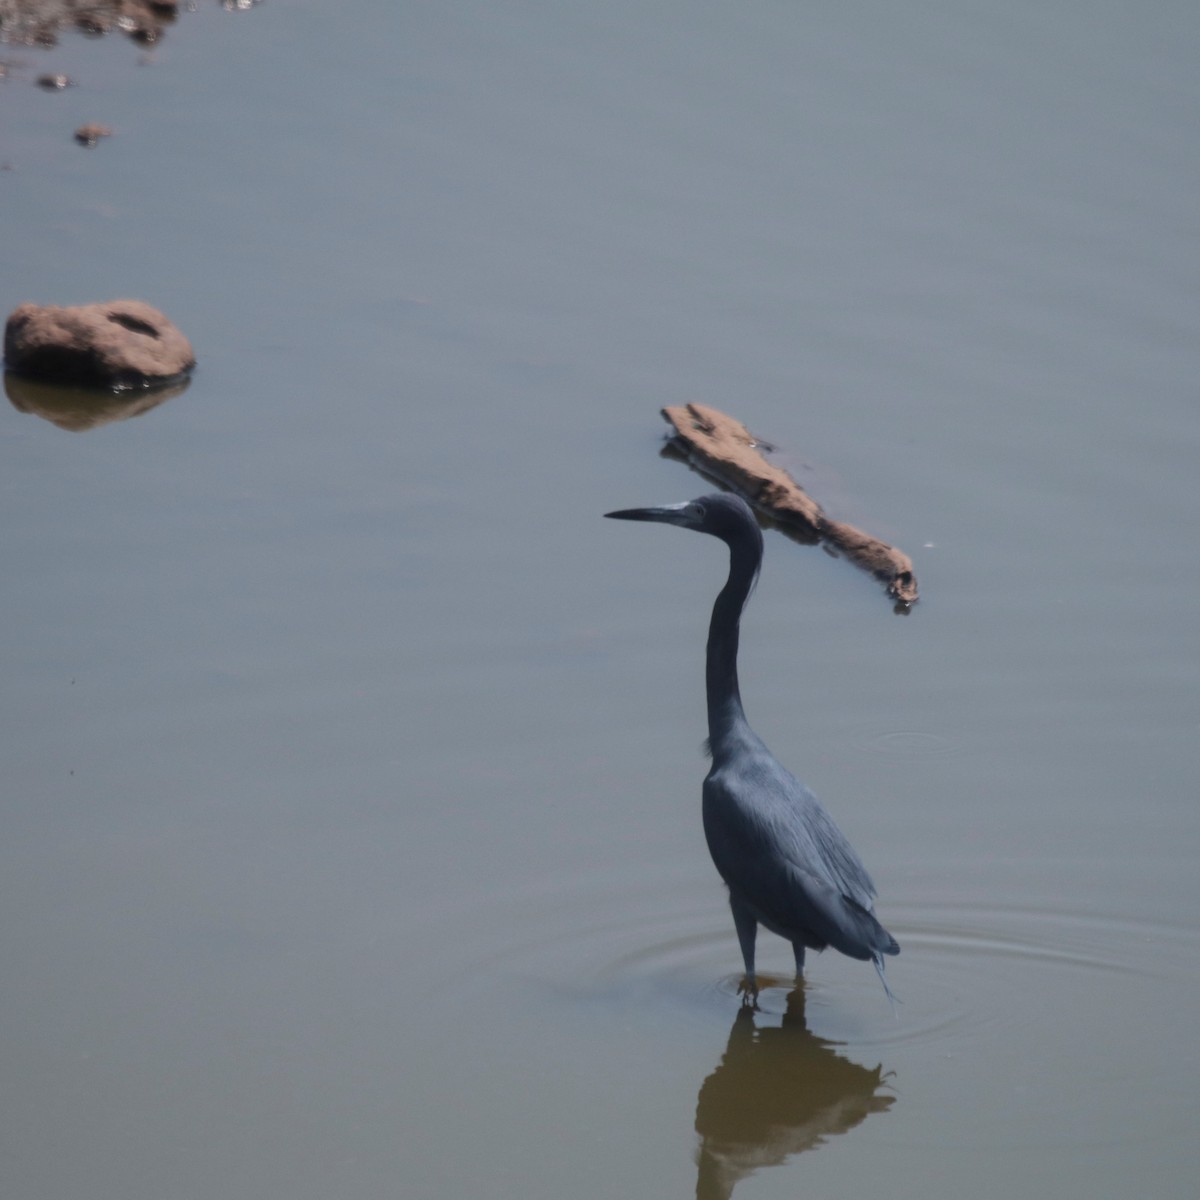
<point>747,929</point>
<point>798,950</point>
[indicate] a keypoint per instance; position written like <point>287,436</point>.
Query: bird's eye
<point>698,511</point>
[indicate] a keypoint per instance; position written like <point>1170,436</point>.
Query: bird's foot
<point>748,990</point>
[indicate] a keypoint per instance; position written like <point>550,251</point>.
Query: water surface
<point>351,809</point>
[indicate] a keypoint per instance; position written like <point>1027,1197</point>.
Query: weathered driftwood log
<point>724,449</point>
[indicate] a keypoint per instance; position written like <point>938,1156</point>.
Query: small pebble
<point>89,135</point>
<point>54,83</point>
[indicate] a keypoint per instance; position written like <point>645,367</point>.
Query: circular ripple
<point>966,975</point>
<point>1023,1015</point>
<point>909,743</point>
<point>972,972</point>
<point>601,937</point>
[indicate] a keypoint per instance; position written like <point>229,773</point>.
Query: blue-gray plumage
<point>787,865</point>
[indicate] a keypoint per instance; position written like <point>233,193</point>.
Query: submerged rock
<point>118,344</point>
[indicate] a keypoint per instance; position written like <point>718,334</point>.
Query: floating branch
<point>724,449</point>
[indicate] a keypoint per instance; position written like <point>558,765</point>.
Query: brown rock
<point>93,24</point>
<point>118,344</point>
<point>32,21</point>
<point>90,134</point>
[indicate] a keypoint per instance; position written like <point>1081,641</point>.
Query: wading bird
<point>787,865</point>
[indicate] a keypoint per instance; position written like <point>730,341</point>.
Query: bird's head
<point>721,514</point>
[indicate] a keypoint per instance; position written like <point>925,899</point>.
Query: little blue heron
<point>787,865</point>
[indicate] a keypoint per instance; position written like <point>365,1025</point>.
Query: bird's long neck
<point>726,719</point>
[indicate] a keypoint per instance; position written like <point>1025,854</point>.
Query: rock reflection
<point>78,409</point>
<point>777,1091</point>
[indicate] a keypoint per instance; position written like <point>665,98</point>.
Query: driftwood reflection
<point>777,1091</point>
<point>78,409</point>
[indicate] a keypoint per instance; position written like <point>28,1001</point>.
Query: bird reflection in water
<point>777,1091</point>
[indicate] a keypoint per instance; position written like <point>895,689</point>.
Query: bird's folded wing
<point>815,904</point>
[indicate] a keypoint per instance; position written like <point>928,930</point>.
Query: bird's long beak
<point>669,514</point>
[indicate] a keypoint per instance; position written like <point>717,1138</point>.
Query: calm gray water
<point>351,840</point>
